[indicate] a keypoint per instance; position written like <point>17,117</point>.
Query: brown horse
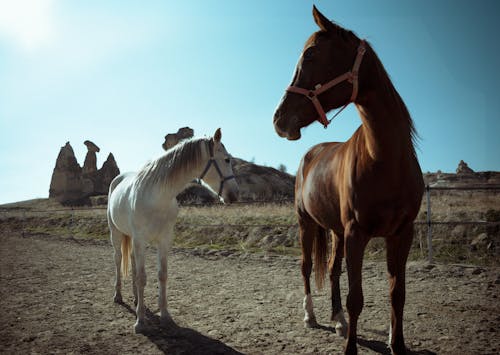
<point>369,186</point>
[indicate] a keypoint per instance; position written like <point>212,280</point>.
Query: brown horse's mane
<point>389,88</point>
<point>386,83</point>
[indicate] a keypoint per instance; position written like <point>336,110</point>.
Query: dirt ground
<point>56,297</point>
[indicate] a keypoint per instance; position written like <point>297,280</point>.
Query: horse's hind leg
<point>140,277</point>
<point>398,248</point>
<point>307,230</point>
<point>335,267</point>
<point>116,241</point>
<point>134,277</point>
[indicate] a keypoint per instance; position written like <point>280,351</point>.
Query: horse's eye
<point>227,160</point>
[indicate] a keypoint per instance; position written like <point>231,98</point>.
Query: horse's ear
<point>323,23</point>
<point>218,135</point>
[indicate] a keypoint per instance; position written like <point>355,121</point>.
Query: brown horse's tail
<point>126,250</point>
<point>320,251</point>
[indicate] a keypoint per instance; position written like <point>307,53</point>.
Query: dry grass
<point>273,227</point>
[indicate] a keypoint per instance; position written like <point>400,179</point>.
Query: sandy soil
<point>56,297</point>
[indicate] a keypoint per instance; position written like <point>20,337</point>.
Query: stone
<point>481,241</point>
<point>459,232</point>
<point>66,183</point>
<point>463,168</point>
<point>70,184</point>
<point>90,163</point>
<point>172,139</point>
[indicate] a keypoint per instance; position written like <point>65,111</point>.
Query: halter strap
<point>351,76</point>
<point>213,162</point>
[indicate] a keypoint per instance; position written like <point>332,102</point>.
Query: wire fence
<point>426,219</point>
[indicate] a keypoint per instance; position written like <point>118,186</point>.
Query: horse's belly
<point>325,211</point>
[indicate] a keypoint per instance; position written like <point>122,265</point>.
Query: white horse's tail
<point>126,250</point>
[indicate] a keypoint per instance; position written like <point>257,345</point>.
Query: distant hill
<point>464,177</point>
<point>256,183</point>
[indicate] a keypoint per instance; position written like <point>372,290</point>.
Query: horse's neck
<point>386,125</point>
<point>189,175</point>
<point>175,185</point>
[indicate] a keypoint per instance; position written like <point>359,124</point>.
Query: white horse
<point>142,207</point>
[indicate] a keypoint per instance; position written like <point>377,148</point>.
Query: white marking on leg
<point>389,342</point>
<point>341,324</point>
<point>309,317</point>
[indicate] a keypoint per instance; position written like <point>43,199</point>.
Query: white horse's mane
<point>176,162</point>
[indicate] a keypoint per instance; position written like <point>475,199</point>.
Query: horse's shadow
<point>377,346</point>
<point>173,339</point>
<point>383,348</point>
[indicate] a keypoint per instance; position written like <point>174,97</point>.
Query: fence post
<point>429,223</point>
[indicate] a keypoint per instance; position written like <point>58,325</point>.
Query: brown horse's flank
<point>369,186</point>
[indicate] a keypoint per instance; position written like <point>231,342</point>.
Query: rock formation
<point>257,182</point>
<point>172,139</point>
<point>90,163</point>
<point>105,175</point>
<point>71,184</point>
<point>66,183</point>
<point>463,168</point>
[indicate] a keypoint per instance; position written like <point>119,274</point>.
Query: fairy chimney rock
<point>463,168</point>
<point>105,175</point>
<point>70,184</point>
<point>90,163</point>
<point>66,183</point>
<point>172,139</point>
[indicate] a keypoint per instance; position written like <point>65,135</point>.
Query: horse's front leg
<point>163,248</point>
<point>335,271</point>
<point>398,248</point>
<point>140,280</point>
<point>355,243</point>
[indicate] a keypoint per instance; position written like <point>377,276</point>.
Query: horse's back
<point>118,179</point>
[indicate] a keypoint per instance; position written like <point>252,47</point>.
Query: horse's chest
<point>154,221</point>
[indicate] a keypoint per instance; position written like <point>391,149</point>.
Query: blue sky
<point>125,73</point>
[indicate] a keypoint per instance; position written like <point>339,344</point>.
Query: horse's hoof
<point>398,350</point>
<point>166,321</point>
<point>310,323</point>
<point>351,349</point>
<point>118,299</point>
<point>139,327</point>
<point>341,331</point>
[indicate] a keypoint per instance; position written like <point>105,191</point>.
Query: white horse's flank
<point>142,208</point>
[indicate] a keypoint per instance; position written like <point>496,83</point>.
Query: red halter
<point>351,76</point>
